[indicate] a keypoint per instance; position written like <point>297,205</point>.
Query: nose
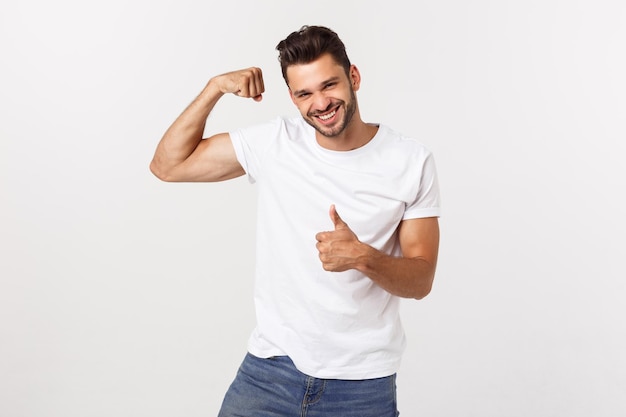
<point>321,102</point>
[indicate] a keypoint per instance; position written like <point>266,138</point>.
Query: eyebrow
<point>323,83</point>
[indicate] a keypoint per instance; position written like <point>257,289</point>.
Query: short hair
<point>308,44</point>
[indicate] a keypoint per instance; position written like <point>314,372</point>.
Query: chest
<point>369,191</point>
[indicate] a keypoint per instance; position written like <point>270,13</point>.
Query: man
<point>347,226</point>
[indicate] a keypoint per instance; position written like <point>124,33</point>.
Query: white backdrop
<point>121,295</point>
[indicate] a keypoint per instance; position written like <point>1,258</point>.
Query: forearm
<point>184,135</point>
<point>401,276</point>
<point>409,276</point>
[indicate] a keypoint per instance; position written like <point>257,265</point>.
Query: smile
<point>327,116</point>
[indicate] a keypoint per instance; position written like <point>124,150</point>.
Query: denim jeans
<point>275,388</point>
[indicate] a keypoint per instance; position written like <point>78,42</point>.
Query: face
<point>324,94</point>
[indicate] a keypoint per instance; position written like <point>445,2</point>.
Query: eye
<point>329,85</point>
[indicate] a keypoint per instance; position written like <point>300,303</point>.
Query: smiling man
<point>327,113</point>
<point>347,227</point>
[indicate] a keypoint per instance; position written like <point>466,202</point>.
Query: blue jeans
<point>273,387</point>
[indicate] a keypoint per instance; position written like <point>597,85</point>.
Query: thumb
<point>337,221</point>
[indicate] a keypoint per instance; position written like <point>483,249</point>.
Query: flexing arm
<point>183,156</point>
<point>409,276</point>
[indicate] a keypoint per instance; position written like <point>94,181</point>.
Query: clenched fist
<point>243,83</point>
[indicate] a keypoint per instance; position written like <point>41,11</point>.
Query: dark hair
<point>308,44</point>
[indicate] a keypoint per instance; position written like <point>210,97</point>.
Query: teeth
<point>328,116</point>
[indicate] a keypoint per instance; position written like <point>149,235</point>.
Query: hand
<point>243,83</point>
<point>338,249</point>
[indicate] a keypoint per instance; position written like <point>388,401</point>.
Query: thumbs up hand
<point>338,249</point>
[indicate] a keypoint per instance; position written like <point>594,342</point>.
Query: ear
<point>355,77</point>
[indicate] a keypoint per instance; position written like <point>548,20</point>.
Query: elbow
<point>422,293</point>
<point>159,172</point>
<point>424,289</point>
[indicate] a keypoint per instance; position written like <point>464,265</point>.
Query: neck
<point>357,134</point>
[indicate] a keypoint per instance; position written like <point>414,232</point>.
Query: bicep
<point>419,238</point>
<point>214,159</point>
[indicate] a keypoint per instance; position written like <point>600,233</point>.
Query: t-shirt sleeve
<point>427,199</point>
<point>251,144</point>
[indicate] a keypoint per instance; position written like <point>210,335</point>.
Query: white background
<point>121,295</point>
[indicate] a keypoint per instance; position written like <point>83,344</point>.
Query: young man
<point>347,226</point>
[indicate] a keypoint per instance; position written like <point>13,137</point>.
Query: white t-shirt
<point>331,324</point>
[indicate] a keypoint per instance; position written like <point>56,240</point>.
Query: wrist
<point>366,258</point>
<point>213,89</point>
<point>208,97</point>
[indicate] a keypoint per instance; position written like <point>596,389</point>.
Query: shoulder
<point>295,127</point>
<point>409,146</point>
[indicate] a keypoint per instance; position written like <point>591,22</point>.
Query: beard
<point>339,126</point>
